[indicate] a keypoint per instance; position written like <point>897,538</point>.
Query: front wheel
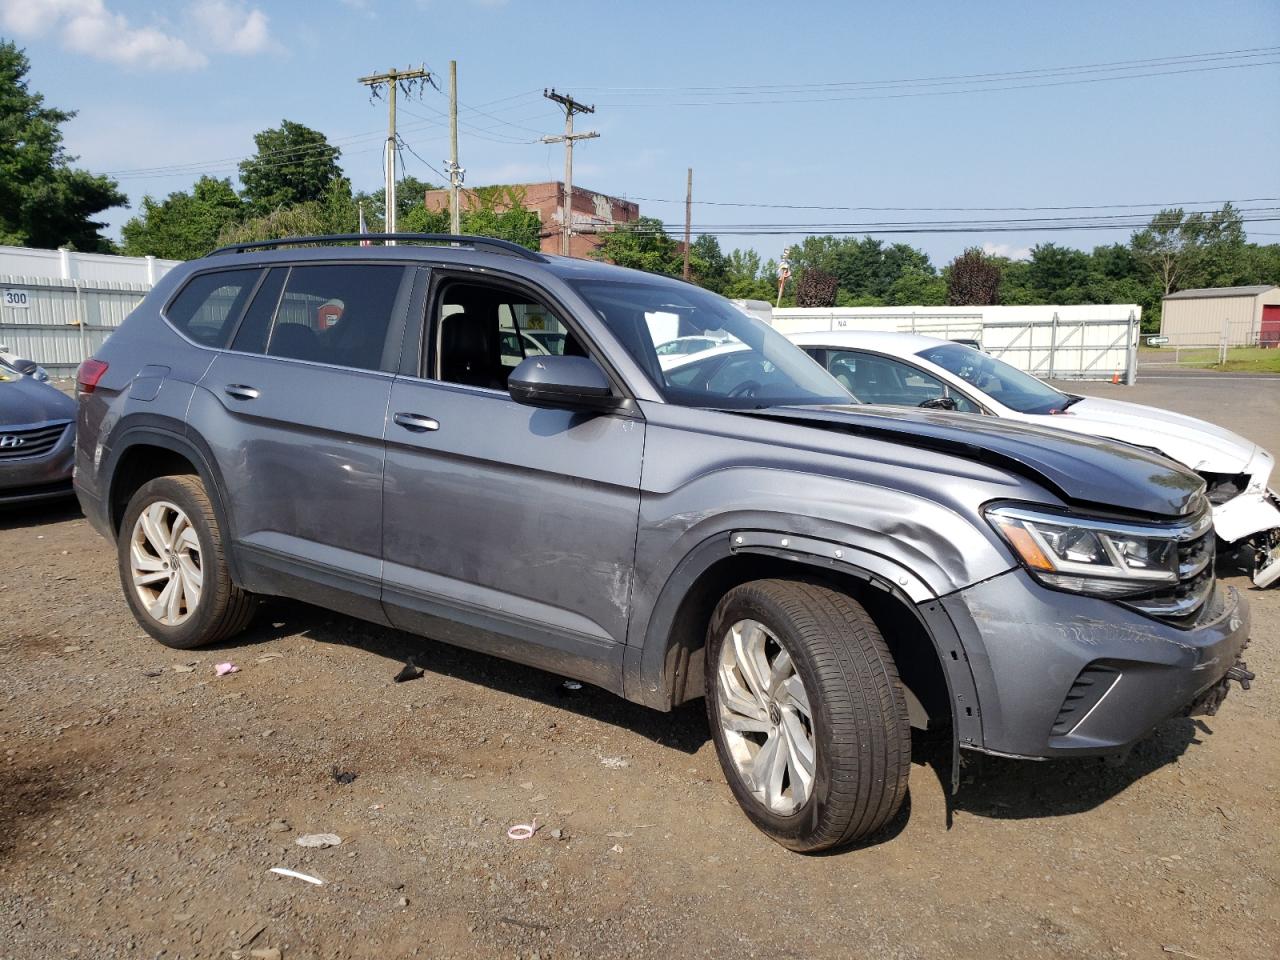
<point>807,712</point>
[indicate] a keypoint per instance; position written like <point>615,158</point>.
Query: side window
<point>210,303</point>
<point>875,379</point>
<point>331,313</point>
<point>483,332</point>
<point>251,337</point>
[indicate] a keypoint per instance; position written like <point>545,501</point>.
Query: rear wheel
<point>173,569</point>
<point>807,712</point>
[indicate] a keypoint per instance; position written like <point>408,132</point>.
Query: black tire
<point>861,734</point>
<point>223,609</point>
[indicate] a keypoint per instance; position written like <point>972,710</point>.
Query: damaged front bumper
<point>1058,674</point>
<point>1251,524</point>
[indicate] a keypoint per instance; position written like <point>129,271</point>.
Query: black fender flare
<point>653,668</point>
<point>168,435</point>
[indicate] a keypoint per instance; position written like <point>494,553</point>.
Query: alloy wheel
<point>765,717</point>
<point>164,559</point>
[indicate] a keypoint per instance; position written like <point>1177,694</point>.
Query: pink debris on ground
<point>223,669</point>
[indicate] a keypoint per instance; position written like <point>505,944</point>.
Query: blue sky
<point>185,84</point>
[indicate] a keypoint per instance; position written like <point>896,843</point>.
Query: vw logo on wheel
<point>9,441</point>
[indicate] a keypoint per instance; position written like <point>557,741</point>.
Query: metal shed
<point>1211,316</point>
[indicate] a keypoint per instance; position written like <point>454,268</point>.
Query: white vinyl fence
<point>1092,342</point>
<point>57,307</point>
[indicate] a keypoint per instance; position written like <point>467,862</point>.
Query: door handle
<point>416,422</point>
<point>239,391</point>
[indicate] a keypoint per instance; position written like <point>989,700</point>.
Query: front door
<point>508,528</point>
<point>295,414</point>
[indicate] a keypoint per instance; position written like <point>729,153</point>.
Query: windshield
<point>737,362</point>
<point>1003,383</point>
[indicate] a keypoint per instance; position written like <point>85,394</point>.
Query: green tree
<point>44,201</point>
<point>917,288</point>
<point>1185,250</point>
<point>746,278</point>
<point>1058,274</point>
<point>293,164</point>
<point>973,279</point>
<point>334,212</point>
<point>708,264</point>
<point>409,196</point>
<point>642,244</point>
<point>184,225</point>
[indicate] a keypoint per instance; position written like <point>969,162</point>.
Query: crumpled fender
<point>1246,515</point>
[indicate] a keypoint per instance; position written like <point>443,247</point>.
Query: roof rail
<point>477,243</point>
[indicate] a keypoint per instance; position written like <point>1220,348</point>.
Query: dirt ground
<point>143,801</point>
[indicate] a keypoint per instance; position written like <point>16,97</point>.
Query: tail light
<point>89,374</point>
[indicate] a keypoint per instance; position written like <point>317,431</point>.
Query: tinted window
<point>337,314</point>
<point>874,379</point>
<point>735,362</point>
<point>251,336</point>
<point>209,304</point>
<point>484,332</point>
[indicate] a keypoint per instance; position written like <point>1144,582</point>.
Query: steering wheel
<point>747,388</point>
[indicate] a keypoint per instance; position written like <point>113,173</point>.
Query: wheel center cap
<point>775,715</point>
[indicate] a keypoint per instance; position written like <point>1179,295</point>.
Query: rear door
<point>295,413</point>
<point>507,528</point>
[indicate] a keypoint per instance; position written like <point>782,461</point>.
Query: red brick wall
<point>591,211</point>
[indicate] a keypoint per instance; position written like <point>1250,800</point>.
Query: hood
<point>1195,443</point>
<point>25,402</point>
<point>1080,469</point>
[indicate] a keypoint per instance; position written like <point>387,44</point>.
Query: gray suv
<point>369,429</point>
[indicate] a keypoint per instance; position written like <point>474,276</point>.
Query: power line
<point>1097,206</point>
<point>938,93</point>
<point>1113,65</point>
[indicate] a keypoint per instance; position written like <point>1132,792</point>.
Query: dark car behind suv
<point>340,425</point>
<point>37,437</point>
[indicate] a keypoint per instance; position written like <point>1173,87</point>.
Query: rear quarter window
<point>206,309</point>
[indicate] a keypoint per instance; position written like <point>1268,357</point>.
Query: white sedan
<point>905,369</point>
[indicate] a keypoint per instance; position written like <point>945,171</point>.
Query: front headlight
<point>1096,557</point>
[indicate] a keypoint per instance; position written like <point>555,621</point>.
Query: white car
<point>905,369</point>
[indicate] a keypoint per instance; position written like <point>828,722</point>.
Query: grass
<point>1239,359</point>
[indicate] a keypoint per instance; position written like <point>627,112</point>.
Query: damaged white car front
<point>1246,516</point>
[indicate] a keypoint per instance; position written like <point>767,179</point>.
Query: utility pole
<point>455,171</point>
<point>688,217</point>
<point>392,78</point>
<point>571,106</point>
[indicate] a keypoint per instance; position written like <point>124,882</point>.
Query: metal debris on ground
<point>570,686</point>
<point>343,776</point>
<point>410,671</point>
<point>319,840</point>
<point>286,872</point>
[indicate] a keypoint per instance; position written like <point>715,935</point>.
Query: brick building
<point>593,213</point>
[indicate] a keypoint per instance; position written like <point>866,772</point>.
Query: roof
<point>890,342</point>
<point>1207,292</point>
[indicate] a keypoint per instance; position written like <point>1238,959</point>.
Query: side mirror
<point>570,383</point>
<point>940,403</point>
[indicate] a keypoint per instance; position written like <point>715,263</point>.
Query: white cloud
<point>88,27</point>
<point>1006,250</point>
<point>232,26</point>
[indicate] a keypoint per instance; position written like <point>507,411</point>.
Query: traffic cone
<point>1115,377</point>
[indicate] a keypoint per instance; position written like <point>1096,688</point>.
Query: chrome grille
<point>33,442</point>
<point>1183,600</point>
